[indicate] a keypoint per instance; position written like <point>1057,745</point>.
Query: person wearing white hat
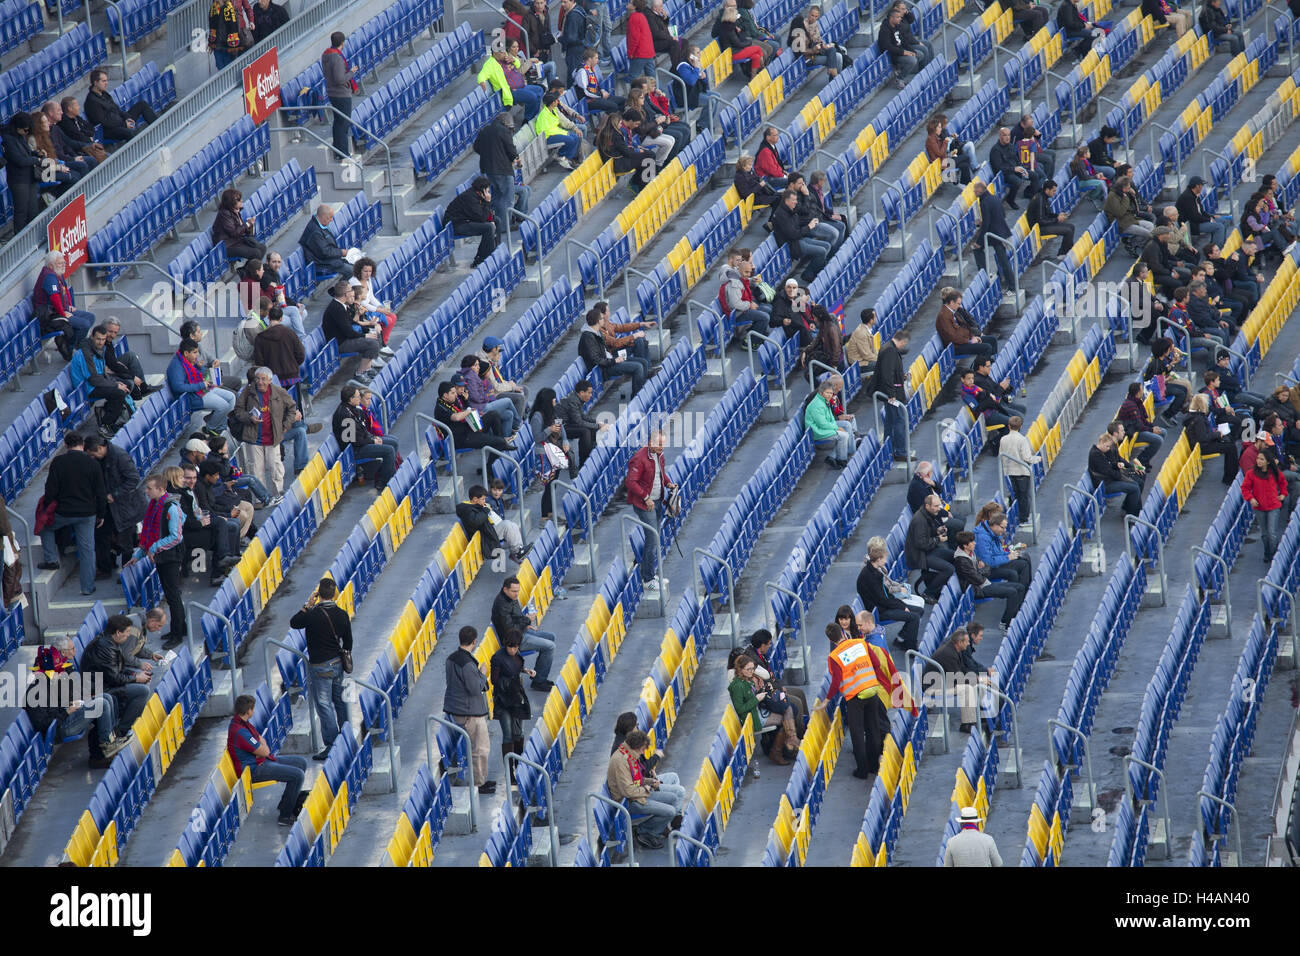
<point>970,846</point>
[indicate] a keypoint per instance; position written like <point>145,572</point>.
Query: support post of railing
<point>445,433</point>
<point>659,550</point>
<point>29,543</point>
<point>1129,522</point>
<point>1093,506</point>
<point>590,527</point>
<point>568,265</point>
<point>526,807</point>
<point>1033,495</point>
<point>697,581</point>
<point>1227,585</point>
<point>1087,757</point>
<point>1015,728</point>
<point>489,451</point>
<point>391,736</point>
<point>1264,584</point>
<point>750,336</point>
<point>1236,823</point>
<point>1164,791</point>
<point>430,736</point>
<point>541,256</point>
<point>228,653</point>
<point>677,835</point>
<point>919,683</point>
<point>268,659</point>
<point>802,643</point>
<point>620,810</point>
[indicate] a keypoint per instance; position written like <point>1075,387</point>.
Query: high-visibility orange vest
<point>857,669</point>
<point>891,680</point>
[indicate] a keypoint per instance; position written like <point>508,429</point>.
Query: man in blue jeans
<point>891,378</point>
<point>76,483</point>
<point>327,630</point>
<point>647,488</point>
<point>340,85</point>
<point>507,615</point>
<point>247,748</point>
<point>497,159</point>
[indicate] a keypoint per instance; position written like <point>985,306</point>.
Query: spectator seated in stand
<point>102,110</point>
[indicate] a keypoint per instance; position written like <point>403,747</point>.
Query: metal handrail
<point>627,545</point>
<point>1087,756</point>
<point>115,294</point>
<point>1259,603</point>
<point>317,742</point>
<point>519,471</point>
<point>1236,823</point>
<point>31,577</point>
<point>443,431</point>
<point>228,654</point>
<point>991,688</point>
<point>1074,114</point>
<point>676,835</point>
<point>802,642</point>
<point>392,729</point>
<point>619,809</point>
<point>550,798</point>
<point>1129,522</point>
<point>912,657</point>
<point>1093,505</point>
<point>1164,793</point>
<point>749,344</point>
<point>591,522</point>
<point>1015,276</point>
<point>697,582</point>
<point>388,153</point>
<point>429,737</point>
<point>1227,586</point>
<point>627,294</point>
<point>1205,172</point>
<point>569,243</point>
<point>834,160</point>
<point>541,256</point>
<point>902,216</point>
<point>944,424</point>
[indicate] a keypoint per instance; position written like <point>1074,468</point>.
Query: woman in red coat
<point>1265,489</point>
<point>640,44</point>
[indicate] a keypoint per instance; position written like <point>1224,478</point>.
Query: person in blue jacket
<point>186,376</point>
<point>90,365</point>
<point>1004,563</point>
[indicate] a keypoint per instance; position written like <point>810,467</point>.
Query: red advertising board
<point>68,233</point>
<point>262,86</point>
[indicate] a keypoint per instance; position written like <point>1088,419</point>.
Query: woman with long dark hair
<point>238,233</point>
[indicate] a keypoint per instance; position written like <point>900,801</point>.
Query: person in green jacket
<point>741,689</point>
<point>558,131</point>
<point>820,420</point>
<point>500,73</point>
<point>746,700</point>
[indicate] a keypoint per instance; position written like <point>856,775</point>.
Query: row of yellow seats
<point>998,20</point>
<point>927,380</point>
<point>716,59</point>
<point>155,736</point>
<point>691,259</point>
<point>229,786</point>
<point>1047,43</point>
<point>591,182</point>
<point>408,848</point>
<point>897,775</point>
<point>658,202</point>
<point>714,793</point>
<point>563,712</point>
<point>1177,476</point>
<point>1046,836</point>
<point>677,661</point>
<point>1046,439</point>
<point>822,744</point>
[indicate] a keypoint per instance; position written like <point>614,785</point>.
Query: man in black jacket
<point>926,546</point>
<point>453,412</point>
<point>798,232</point>
<point>1159,256</point>
<point>1050,223</point>
<point>320,246</point>
<point>1002,391</point>
<point>572,414</point>
<point>1004,158</point>
<point>906,51</point>
<point>125,498</point>
<point>993,222</point>
<point>267,18</point>
<point>1202,225</point>
<point>961,682</point>
<point>507,615</point>
<point>876,596</point>
<point>351,427</point>
<point>22,170</point>
<point>592,350</point>
<point>1102,468</point>
<point>470,214</point>
<point>76,484</point>
<point>126,365</point>
<point>204,531</point>
<point>71,152</point>
<point>102,110</point>
<point>328,633</point>
<point>476,518</point>
<point>337,324</point>
<point>107,656</point>
<point>890,380</point>
<point>465,702</point>
<point>497,159</point>
<point>970,572</point>
<point>1219,29</point>
<point>1206,317</point>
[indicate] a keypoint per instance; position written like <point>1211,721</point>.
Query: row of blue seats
<point>709,449</point>
<point>412,263</point>
<point>273,204</point>
<point>130,21</point>
<point>38,432</point>
<point>368,47</point>
<point>409,91</point>
<point>62,64</point>
<point>20,338</point>
<point>141,223</point>
<point>157,88</point>
<point>452,134</point>
<point>427,806</point>
<point>20,20</point>
<point>1160,707</point>
<point>613,248</point>
<point>318,828</point>
<point>604,470</point>
<point>215,822</point>
<point>740,119</point>
<point>1118,47</point>
<point>846,92</point>
<point>447,328</point>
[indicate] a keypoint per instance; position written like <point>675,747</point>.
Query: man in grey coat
<point>339,87</point>
<point>970,846</point>
<point>465,701</point>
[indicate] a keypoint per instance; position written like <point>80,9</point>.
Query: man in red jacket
<point>647,486</point>
<point>640,43</point>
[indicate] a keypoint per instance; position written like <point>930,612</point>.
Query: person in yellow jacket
<point>854,674</point>
<point>558,131</point>
<point>500,73</point>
